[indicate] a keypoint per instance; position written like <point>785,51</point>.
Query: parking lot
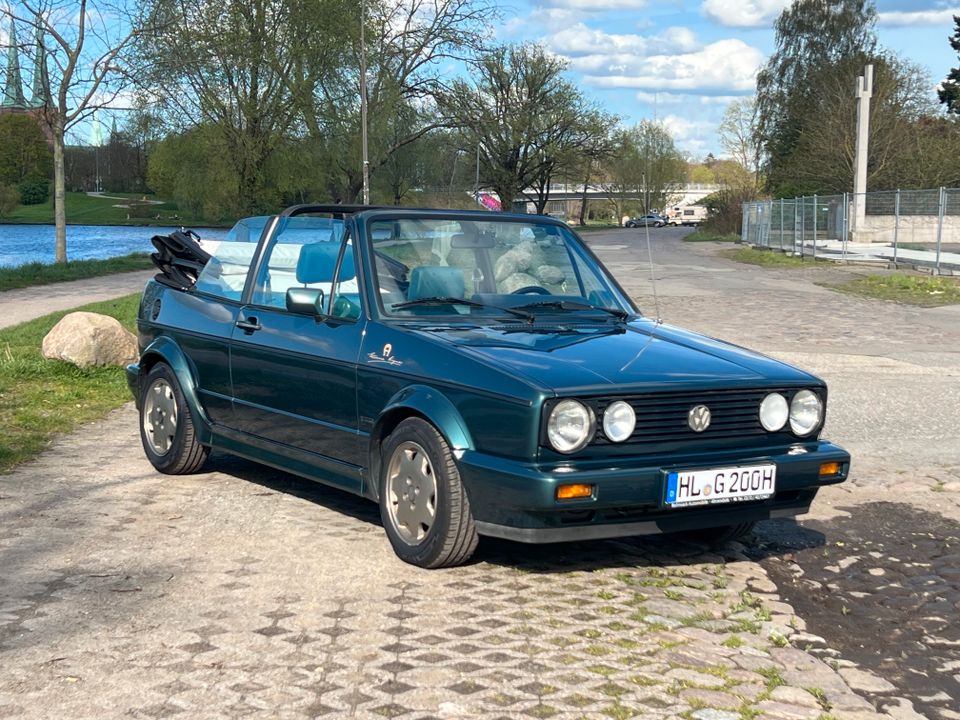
<point>242,591</point>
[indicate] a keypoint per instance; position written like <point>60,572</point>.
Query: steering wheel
<point>531,289</point>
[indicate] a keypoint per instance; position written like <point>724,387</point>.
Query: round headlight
<point>774,412</point>
<point>619,421</point>
<point>806,411</point>
<point>570,426</point>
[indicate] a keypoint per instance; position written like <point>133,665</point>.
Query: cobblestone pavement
<point>242,591</point>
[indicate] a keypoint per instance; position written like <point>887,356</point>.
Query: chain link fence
<point>917,226</point>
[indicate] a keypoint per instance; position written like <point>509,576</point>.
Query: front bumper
<point>518,501</point>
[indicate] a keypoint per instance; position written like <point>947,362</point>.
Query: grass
<point>707,236</point>
<point>42,398</point>
<point>83,209</point>
<point>768,258</point>
<point>923,290</point>
<point>43,273</point>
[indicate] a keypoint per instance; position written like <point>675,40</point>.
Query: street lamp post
<point>363,105</point>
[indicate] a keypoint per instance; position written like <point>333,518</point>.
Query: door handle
<point>249,326</point>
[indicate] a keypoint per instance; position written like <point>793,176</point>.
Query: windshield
<point>487,268</point>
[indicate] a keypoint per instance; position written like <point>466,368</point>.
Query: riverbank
<point>33,274</point>
<point>133,209</point>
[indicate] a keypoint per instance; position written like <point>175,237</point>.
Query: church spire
<point>13,91</point>
<point>40,89</point>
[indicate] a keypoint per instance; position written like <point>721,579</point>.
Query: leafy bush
<point>9,198</point>
<point>34,191</point>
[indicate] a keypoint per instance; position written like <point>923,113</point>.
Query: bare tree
<point>407,43</point>
<point>81,48</point>
<point>738,135</point>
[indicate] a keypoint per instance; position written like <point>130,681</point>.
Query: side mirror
<point>305,301</point>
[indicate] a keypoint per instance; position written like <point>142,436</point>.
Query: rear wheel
<point>423,504</point>
<point>166,426</point>
<point>716,536</point>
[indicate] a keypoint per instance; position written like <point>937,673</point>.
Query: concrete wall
<point>913,229</point>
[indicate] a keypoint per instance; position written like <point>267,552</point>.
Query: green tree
<point>193,169</point>
<point>949,92</point>
<point>738,136</point>
<point>645,168</point>
<point>235,77</point>
<point>9,198</point>
<point>811,35</point>
<point>24,153</point>
<point>822,160</point>
<point>523,115</point>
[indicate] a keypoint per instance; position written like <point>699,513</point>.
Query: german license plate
<point>721,485</point>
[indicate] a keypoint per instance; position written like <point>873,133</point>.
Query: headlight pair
<point>572,424</point>
<point>804,412</point>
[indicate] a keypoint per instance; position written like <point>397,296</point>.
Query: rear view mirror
<point>305,301</point>
<point>465,241</point>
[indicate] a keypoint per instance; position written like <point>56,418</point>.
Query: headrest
<point>317,262</point>
<point>436,281</point>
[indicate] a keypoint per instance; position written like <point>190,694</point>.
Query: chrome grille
<point>662,416</point>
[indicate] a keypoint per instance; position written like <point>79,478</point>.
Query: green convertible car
<point>475,374</point>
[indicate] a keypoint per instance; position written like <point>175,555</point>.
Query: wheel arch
<point>423,402</point>
<point>166,350</point>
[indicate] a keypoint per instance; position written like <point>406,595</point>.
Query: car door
<point>202,321</point>
<point>294,375</point>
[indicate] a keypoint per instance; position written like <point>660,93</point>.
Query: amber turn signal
<point>571,492</point>
<point>830,468</point>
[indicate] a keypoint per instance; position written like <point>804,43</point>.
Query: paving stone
<point>712,714</point>
<point>866,681</point>
<point>787,711</point>
<point>710,698</point>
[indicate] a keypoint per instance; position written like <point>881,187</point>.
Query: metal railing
<point>899,225</point>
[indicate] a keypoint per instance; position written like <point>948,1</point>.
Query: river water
<point>20,244</point>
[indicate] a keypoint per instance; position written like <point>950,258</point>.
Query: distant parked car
<point>654,219</point>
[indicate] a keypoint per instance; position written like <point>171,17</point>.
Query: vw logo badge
<point>699,418</point>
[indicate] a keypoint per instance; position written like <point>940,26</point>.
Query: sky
<point>683,61</point>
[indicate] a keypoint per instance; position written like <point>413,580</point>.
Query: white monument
<point>864,93</point>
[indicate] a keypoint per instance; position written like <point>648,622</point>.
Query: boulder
<point>90,339</point>
<point>549,275</point>
<point>517,281</point>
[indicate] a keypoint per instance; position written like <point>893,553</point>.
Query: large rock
<point>86,339</point>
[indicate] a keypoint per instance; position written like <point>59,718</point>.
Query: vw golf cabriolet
<point>474,374</point>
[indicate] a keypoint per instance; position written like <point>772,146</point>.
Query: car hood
<point>595,356</point>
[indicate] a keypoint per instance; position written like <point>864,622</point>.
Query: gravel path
<point>242,591</point>
<point>17,306</point>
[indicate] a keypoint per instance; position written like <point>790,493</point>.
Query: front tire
<point>423,504</point>
<point>167,430</point>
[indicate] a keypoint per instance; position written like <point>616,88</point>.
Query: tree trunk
<point>583,201</point>
<point>59,193</point>
<point>507,192</point>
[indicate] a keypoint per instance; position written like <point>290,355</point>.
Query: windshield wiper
<point>569,305</point>
<point>434,301</point>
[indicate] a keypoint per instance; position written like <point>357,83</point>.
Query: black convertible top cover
<point>179,258</point>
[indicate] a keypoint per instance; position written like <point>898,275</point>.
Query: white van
<point>688,215</point>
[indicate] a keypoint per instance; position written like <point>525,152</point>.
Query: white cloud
<point>918,17</point>
<point>743,13</point>
<point>669,99</point>
<point>722,68</point>
<point>693,136</point>
<point>598,5</point>
<point>582,40</point>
